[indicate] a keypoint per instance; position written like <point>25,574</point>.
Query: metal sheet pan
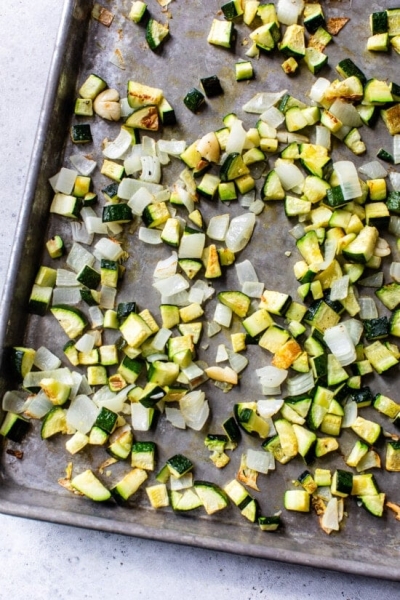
<point>29,487</point>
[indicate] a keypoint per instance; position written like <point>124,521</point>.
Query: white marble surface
<point>41,560</point>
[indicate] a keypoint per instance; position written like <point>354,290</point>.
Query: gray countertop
<point>42,560</point>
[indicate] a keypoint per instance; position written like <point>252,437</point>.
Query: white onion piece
<point>297,231</point>
<point>222,354</point>
<point>132,164</point>
<point>85,343</point>
<point>103,393</point>
<point>330,253</point>
<point>346,113</point>
<point>65,278</point>
<point>96,225</point>
<point>84,387</point>
<point>262,101</point>
<point>139,200</point>
<point>368,309</point>
<point>247,199</point>
<point>394,179</point>
<point>116,401</point>
<point>181,483</point>
<point>116,149</point>
<point>80,233</point>
<point>82,164</point>
<point>213,328</point>
<point>288,173</point>
<point>46,360</point>
<point>66,295</point>
<point>151,169</point>
<point>126,109</point>
<point>299,384</point>
<point>253,289</point>
<point>114,228</point>
<point>297,137</point>
<point>192,245</point>
<point>174,147</point>
<point>382,248</point>
<point>106,248</point>
<point>396,149</point>
<point>288,11</point>
<point>270,390</point>
<point>64,181</point>
<point>194,374</point>
<point>236,138</point>
<point>322,136</point>
<point>374,281</point>
<point>158,356</point>
<point>15,401</point>
<point>350,414</point>
<point>253,51</point>
<point>330,518</point>
<point>373,170</point>
<point>206,288</point>
<point>342,132</point>
<point>162,196</point>
<point>348,179</point>
<point>82,413</point>
<point>38,406</point>
<point>96,316</point>
<point>150,236</point>
<point>395,271</point>
<point>340,344</point>
<point>195,410</point>
<point>141,417</point>
<point>179,299</point>
<point>79,257</point>
<point>167,267</point>
<point>129,186</point>
<point>258,460</point>
<point>174,284</point>
<point>161,338</point>
<point>148,146</point>
<point>240,231</point>
<point>196,295</point>
<point>257,207</point>
<point>269,408</point>
<point>271,375</point>
<point>370,460</point>
<point>273,117</point>
<point>394,226</point>
<point>237,361</point>
<point>217,227</point>
<point>340,288</point>
<point>107,296</point>
<point>223,315</point>
<point>175,417</point>
<point>245,272</point>
<point>318,89</point>
<point>355,329</point>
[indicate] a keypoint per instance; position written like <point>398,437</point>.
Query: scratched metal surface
<point>29,487</point>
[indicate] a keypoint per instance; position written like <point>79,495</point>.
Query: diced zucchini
<point>297,500</point>
<point>87,484</point>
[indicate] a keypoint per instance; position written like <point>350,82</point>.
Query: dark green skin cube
<point>81,134</point>
<point>270,523</point>
<point>334,197</point>
<point>180,463</point>
<point>124,309</point>
<point>376,329</point>
<point>116,212</point>
<point>109,265</point>
<point>344,481</point>
<point>232,430</point>
<point>212,86</point>
<point>17,428</point>
<point>385,155</point>
<point>86,295</point>
<point>106,420</point>
<point>89,277</point>
<point>194,100</point>
<point>153,397</point>
<point>215,441</point>
<point>133,365</point>
<point>111,191</point>
<point>363,397</point>
<point>144,447</point>
<point>379,21</point>
<point>349,69</point>
<point>393,202</point>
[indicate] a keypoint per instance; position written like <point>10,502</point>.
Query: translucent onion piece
<point>355,329</point>
<point>80,233</point>
<point>382,248</point>
<point>340,288</point>
<point>79,257</point>
<point>237,361</point>
<point>223,315</point>
<point>96,225</point>
<point>192,246</point>
<point>217,227</point>
<point>213,328</point>
<point>395,271</point>
<point>240,231</point>
<point>373,170</point>
<point>38,406</point>
<point>158,356</point>
<point>176,283</point>
<point>368,308</point>
<point>116,401</point>
<point>236,138</point>
<point>374,281</point>
<point>15,401</point>
<point>370,460</point>
<point>273,116</point>
<point>258,460</point>
<point>288,173</point>
<point>196,295</point>
<point>253,51</point>
<point>82,414</point>
<point>330,518</point>
<point>257,207</point>
<point>394,226</point>
<point>96,316</point>
<point>322,136</point>
<point>318,89</point>
<point>33,378</point>
<point>247,199</point>
<point>348,179</point>
<point>394,179</point>
<point>342,132</point>
<point>245,272</point>
<point>269,408</point>
<point>140,200</point>
<point>262,101</point>
<point>350,414</point>
<point>396,149</point>
<point>85,343</point>
<point>299,384</point>
<point>117,149</point>
<point>206,288</point>
<point>297,137</point>
<point>222,354</point>
<point>340,344</point>
<point>46,360</point>
<point>150,236</point>
<point>346,113</point>
<point>129,186</point>
<point>84,388</point>
<point>65,181</point>
<point>66,295</point>
<point>181,483</point>
<point>65,278</point>
<point>77,379</point>
<point>151,169</point>
<point>271,375</point>
<point>179,299</point>
<point>103,393</point>
<point>82,164</point>
<point>297,231</point>
<point>270,390</point>
<point>195,409</point>
<point>288,11</point>
<point>161,338</point>
<point>107,296</point>
<point>114,228</point>
<point>148,146</point>
<point>126,110</point>
<point>108,249</point>
<point>174,147</point>
<point>167,267</point>
<point>253,289</point>
<point>132,164</point>
<point>141,416</point>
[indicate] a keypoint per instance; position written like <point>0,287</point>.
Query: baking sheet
<point>29,487</point>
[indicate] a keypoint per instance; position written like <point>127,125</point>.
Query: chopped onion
<point>38,406</point>
<point>394,179</point>
<point>382,248</point>
<point>82,164</point>
<point>178,299</point>
<point>253,51</point>
<point>222,354</point>
<point>213,328</point>
<point>330,518</point>
<point>288,11</point>
<point>340,288</point>
<point>246,200</point>
<point>129,186</point>
<point>80,233</point>
<point>350,414</point>
<point>82,413</point>
<point>396,149</point>
<point>223,315</point>
<point>348,179</point>
<point>346,113</point>
<point>161,338</point>
<point>257,207</point>
<point>395,271</point>
<point>186,198</point>
<point>126,109</point>
<point>167,267</point>
<point>240,231</point>
<point>15,401</point>
<point>262,101</point>
<point>79,257</point>
<point>176,283</point>
<point>368,308</point>
<point>96,225</point>
<point>195,410</point>
<point>141,416</point>
<point>258,460</point>
<point>109,249</point>
<point>150,236</point>
<point>206,288</point>
<point>151,169</point>
<point>340,344</point>
<point>132,164</point>
<point>269,408</point>
<point>66,295</point>
<point>355,329</point>
<point>85,343</point>
<point>217,227</point>
<point>318,89</point>
<point>299,384</point>
<point>96,316</point>
<point>175,417</point>
<point>245,272</point>
<point>237,361</point>
<point>253,289</point>
<point>64,181</point>
<point>323,136</point>
<point>140,199</point>
<point>270,390</point>
<point>394,226</point>
<point>273,117</point>
<point>374,281</point>
<point>46,360</point>
<point>297,231</point>
<point>236,138</point>
<point>107,296</point>
<point>116,150</point>
<point>196,295</point>
<point>66,278</point>
<point>288,173</point>
<point>192,246</point>
<point>370,460</point>
<point>174,147</point>
<point>373,170</point>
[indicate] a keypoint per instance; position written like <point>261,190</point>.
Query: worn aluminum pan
<point>29,487</point>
